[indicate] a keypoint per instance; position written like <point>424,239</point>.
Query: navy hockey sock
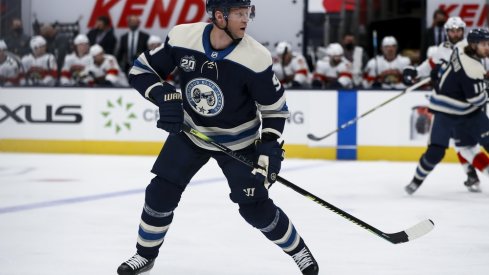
<point>274,224</point>
<point>161,199</point>
<point>428,161</point>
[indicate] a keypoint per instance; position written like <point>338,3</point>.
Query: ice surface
<point>79,214</point>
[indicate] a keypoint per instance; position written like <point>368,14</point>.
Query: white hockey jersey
<point>441,55</point>
<point>108,71</point>
<point>10,72</point>
<point>388,73</point>
<point>328,73</point>
<point>75,68</point>
<point>41,70</point>
<point>296,70</point>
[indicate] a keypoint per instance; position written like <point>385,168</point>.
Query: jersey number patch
<point>187,63</point>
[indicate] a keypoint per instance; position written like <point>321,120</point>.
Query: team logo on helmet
<point>205,97</point>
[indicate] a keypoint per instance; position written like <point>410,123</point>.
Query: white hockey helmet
<point>154,39</point>
<point>334,49</point>
<point>283,47</point>
<point>37,42</point>
<point>389,41</point>
<point>454,22</point>
<point>3,45</point>
<point>96,50</point>
<point>80,39</point>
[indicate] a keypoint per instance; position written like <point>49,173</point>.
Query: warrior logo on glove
<point>205,97</point>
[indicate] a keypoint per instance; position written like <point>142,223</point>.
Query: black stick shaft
<point>289,184</point>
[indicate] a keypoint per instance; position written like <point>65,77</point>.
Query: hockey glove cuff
<point>169,102</point>
<point>269,160</point>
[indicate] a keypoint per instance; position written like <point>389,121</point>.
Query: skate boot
<point>472,183</point>
<point>306,262</point>
<point>413,186</point>
<point>135,265</point>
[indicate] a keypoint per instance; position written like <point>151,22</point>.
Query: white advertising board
<point>314,112</point>
<point>473,12</point>
<point>402,122</point>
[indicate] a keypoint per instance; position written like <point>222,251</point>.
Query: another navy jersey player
<point>229,93</point>
<point>457,104</point>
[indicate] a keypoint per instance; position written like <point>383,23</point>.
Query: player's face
<point>389,51</point>
<point>238,19</point>
<point>82,49</point>
<point>455,35</point>
<point>336,59</point>
<point>40,51</point>
<point>153,46</point>
<point>482,49</point>
<point>99,58</point>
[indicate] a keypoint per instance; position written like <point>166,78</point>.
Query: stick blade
<point>420,229</point>
<point>416,231</point>
<point>313,137</point>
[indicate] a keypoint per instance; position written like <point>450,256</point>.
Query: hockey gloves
<point>270,155</point>
<point>409,74</point>
<point>169,102</point>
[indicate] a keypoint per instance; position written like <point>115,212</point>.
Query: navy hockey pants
<point>176,164</point>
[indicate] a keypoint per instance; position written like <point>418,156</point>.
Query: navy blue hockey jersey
<point>461,89</point>
<point>224,91</point>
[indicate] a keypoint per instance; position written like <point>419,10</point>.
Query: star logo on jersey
<point>118,115</point>
<point>205,97</point>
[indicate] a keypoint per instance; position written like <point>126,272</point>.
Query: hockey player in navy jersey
<point>229,92</point>
<point>458,101</point>
<point>468,151</point>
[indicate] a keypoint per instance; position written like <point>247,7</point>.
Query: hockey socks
<point>426,164</point>
<point>161,199</point>
<point>277,227</point>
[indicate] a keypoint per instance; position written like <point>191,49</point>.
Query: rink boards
<point>120,121</point>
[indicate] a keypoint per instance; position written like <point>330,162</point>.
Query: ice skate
<point>473,184</point>
<point>306,262</point>
<point>136,265</point>
<point>412,187</point>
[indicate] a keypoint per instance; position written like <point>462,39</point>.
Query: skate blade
<point>474,189</point>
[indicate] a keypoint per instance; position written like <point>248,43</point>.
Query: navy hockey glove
<point>270,155</point>
<point>169,102</point>
<point>409,74</point>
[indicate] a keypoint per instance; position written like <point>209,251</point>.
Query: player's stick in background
<point>409,234</point>
<point>353,121</point>
<point>376,52</point>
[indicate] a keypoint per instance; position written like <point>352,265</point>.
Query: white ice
<point>79,214</point>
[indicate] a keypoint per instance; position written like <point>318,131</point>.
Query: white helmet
<point>283,47</point>
<point>96,50</point>
<point>389,41</point>
<point>3,46</point>
<point>454,22</point>
<point>80,39</point>
<point>334,49</point>
<point>37,42</point>
<point>154,39</point>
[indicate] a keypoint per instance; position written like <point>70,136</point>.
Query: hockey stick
<point>353,121</point>
<point>409,234</point>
